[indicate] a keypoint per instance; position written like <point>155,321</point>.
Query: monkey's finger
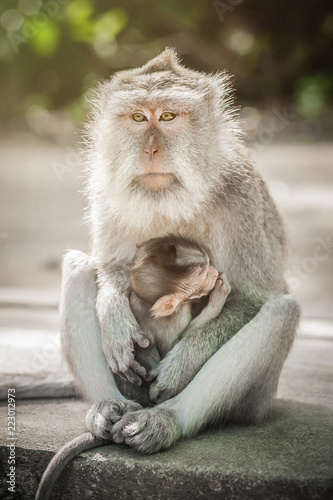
<point>140,339</point>
<point>132,376</point>
<point>115,367</point>
<point>118,428</point>
<point>117,434</point>
<point>140,370</point>
<point>120,375</point>
<point>117,370</point>
<point>151,375</point>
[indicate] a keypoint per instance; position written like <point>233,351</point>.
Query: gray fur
<point>228,368</point>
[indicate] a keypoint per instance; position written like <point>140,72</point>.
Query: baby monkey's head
<point>170,270</point>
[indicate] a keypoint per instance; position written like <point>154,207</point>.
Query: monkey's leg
<point>82,346</point>
<point>238,382</point>
<point>80,330</point>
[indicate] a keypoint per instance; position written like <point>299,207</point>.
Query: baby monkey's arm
<point>216,301</point>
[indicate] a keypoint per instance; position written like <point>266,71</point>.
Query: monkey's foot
<point>102,416</point>
<point>148,431</point>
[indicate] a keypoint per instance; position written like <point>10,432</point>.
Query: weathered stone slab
<point>288,457</point>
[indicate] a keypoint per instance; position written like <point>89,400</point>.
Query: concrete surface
<point>287,457</point>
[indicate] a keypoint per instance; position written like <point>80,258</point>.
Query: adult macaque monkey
<point>165,156</point>
<point>167,275</point>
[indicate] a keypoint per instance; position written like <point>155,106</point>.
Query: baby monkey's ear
<point>139,244</point>
<point>165,305</point>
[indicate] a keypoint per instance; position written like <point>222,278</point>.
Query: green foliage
<point>46,40</point>
<point>78,14</point>
<point>57,48</point>
<point>313,95</point>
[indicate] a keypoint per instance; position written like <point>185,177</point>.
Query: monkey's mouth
<point>156,181</point>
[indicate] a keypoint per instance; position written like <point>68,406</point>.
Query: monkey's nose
<point>151,151</point>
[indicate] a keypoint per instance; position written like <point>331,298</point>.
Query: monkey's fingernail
<point>143,342</point>
<point>117,439</point>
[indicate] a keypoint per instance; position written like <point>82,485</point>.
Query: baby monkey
<point>168,276</point>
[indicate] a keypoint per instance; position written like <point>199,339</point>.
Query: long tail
<point>83,442</point>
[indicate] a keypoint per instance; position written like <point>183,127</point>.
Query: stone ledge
<point>288,457</point>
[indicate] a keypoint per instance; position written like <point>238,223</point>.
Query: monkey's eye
<point>139,117</point>
<point>167,116</point>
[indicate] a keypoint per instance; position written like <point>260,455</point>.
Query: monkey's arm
<point>216,302</point>
<point>186,358</point>
<point>119,328</point>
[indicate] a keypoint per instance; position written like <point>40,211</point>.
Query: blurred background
<point>52,54</point>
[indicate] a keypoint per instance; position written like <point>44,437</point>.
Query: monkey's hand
<point>102,416</point>
<point>119,352</point>
<point>169,377</point>
<point>119,328</point>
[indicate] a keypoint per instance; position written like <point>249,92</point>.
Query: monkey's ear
<point>139,244</point>
<point>165,305</point>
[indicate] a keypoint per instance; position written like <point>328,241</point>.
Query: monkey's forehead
<point>130,88</point>
<point>180,99</point>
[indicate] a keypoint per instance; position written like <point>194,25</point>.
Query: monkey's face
<point>156,156</point>
<point>154,129</point>
<point>160,140</point>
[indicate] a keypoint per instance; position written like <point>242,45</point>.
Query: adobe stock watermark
<point>72,161</point>
<point>31,24</point>
<point>310,264</point>
<point>222,8</point>
<point>11,440</point>
<point>277,123</point>
<point>41,359</point>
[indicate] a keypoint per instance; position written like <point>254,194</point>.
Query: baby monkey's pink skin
<point>170,270</point>
<point>202,284</point>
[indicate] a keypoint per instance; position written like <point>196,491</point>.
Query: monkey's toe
<point>148,431</point>
<point>102,416</point>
